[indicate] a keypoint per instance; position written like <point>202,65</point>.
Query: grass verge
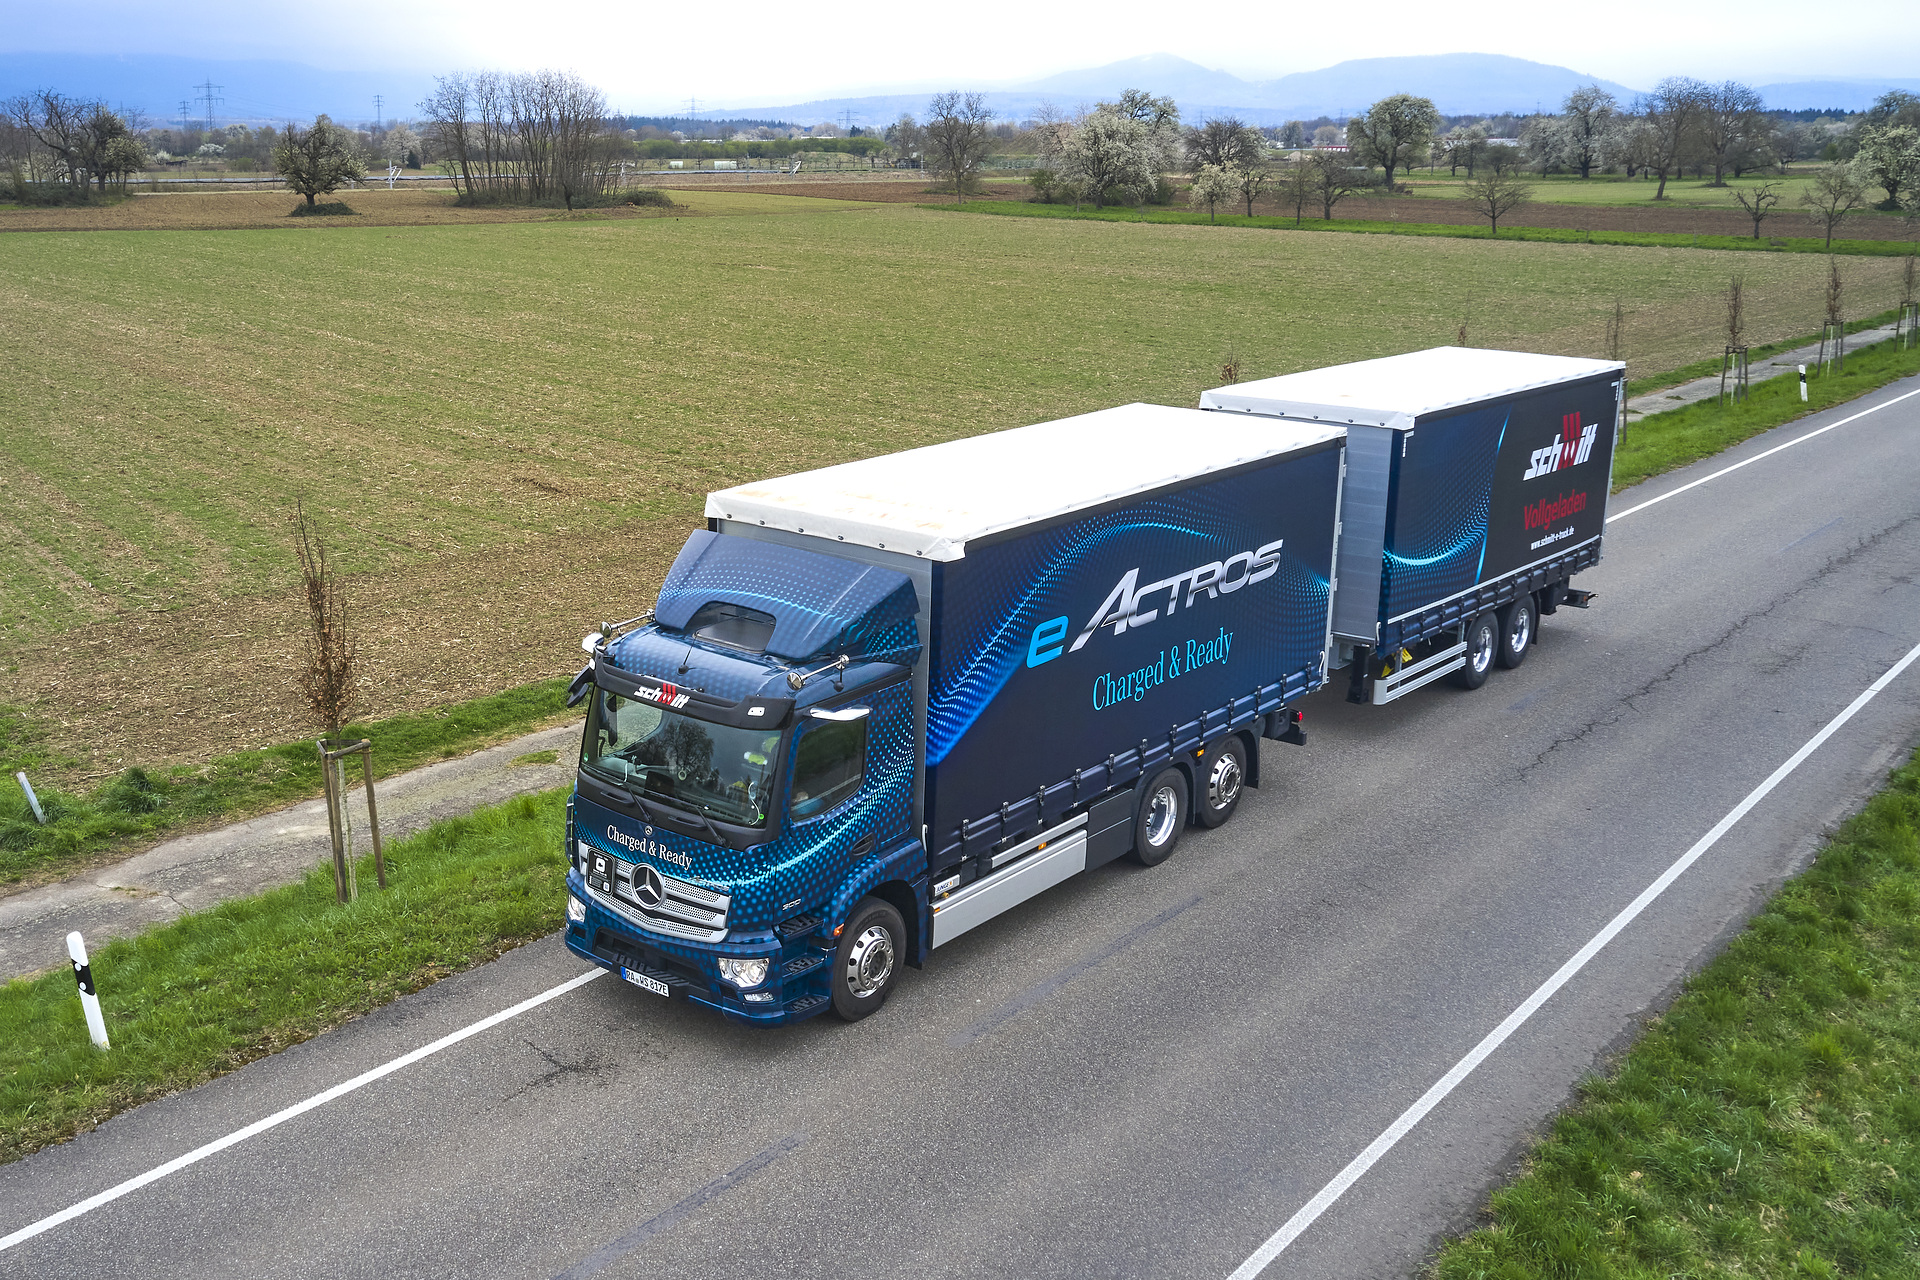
<point>1549,235</point>
<point>1768,1124</point>
<point>1710,368</point>
<point>1663,441</point>
<point>212,991</point>
<point>138,803</point>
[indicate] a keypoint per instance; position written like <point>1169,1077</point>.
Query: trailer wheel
<point>1223,775</point>
<point>872,946</point>
<point>1158,821</point>
<point>1483,639</point>
<point>1518,623</point>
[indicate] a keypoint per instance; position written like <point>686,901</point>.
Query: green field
<point>444,389</point>
<point>508,428</point>
<point>1691,192</point>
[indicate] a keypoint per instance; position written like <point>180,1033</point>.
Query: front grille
<point>659,965</point>
<point>687,911</point>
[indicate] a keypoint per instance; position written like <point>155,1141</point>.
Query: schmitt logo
<point>667,695</point>
<point>1573,446</point>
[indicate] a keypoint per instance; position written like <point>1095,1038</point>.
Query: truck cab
<point>746,779</point>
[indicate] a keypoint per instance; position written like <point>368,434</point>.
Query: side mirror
<point>843,714</point>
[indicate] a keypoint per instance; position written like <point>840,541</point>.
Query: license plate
<point>641,980</point>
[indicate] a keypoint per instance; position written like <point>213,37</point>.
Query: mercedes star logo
<point>647,886</point>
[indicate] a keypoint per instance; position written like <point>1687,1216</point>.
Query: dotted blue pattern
<point>1023,727</point>
<point>1442,495</point>
<point>821,605</point>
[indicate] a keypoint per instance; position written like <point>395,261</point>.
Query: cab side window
<point>827,766</point>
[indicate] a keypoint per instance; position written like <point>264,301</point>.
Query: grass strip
<point>141,803</point>
<point>1768,1124</point>
<point>1549,235</point>
<point>1710,367</point>
<point>1662,441</point>
<point>209,992</point>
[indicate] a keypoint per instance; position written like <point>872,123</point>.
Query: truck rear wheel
<point>872,946</point>
<point>1483,638</point>
<point>1518,622</point>
<point>1223,774</point>
<point>1161,816</point>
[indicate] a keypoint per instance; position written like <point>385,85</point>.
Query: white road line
<point>299,1108</point>
<point>1622,515</point>
<point>1357,1168</point>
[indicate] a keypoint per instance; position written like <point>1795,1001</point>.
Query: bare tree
<point>327,678</point>
<point>1226,144</point>
<point>1758,203</point>
<point>1252,180</point>
<point>1495,195</point>
<point>1736,311</point>
<point>1394,132</point>
<point>1672,114</point>
<point>1728,117</point>
<point>958,135</point>
<point>530,137</point>
<point>1333,180</point>
<point>1587,118</point>
<point>318,160</point>
<point>1617,331</point>
<point>1835,192</point>
<point>1298,186</point>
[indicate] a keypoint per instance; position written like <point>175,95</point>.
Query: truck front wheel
<point>1162,814</point>
<point>1223,773</point>
<point>872,946</point>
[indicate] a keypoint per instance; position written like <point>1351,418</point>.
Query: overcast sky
<point>752,52</point>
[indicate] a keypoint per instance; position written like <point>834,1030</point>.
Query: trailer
<point>876,705</point>
<point>1476,488</point>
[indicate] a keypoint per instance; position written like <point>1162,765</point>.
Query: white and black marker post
<point>1803,384</point>
<point>89,1001</point>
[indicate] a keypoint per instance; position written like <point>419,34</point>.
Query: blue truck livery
<point>878,704</point>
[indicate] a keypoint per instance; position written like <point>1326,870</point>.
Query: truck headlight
<point>744,973</point>
<point>576,910</point>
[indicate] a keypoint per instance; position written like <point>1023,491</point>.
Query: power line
<point>208,90</point>
<point>186,115</point>
<point>376,113</point>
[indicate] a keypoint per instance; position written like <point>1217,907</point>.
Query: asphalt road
<point>1143,1072</point>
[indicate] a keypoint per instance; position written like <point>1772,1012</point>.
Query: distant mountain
<point>254,91</point>
<point>1837,95</point>
<point>1458,83</point>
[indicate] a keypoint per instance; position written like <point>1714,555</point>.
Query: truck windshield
<point>673,759</point>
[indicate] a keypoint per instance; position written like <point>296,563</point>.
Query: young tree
<point>1542,141</point>
<point>327,678</point>
<point>1587,117</point>
<point>1494,195</point>
<point>1225,144</point>
<point>316,161</point>
<point>1502,157</point>
<point>1889,157</point>
<point>1835,192</point>
<point>957,136</point>
<point>903,138</point>
<point>1211,185</point>
<point>1758,203</point>
<point>1394,132</point>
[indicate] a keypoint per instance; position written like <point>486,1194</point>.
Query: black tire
<point>1223,777</point>
<point>1519,624</point>
<point>1483,641</point>
<point>1159,817</point>
<point>868,961</point>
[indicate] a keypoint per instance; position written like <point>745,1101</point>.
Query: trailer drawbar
<point>878,704</point>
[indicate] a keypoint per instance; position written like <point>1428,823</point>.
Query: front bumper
<point>796,975</point>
